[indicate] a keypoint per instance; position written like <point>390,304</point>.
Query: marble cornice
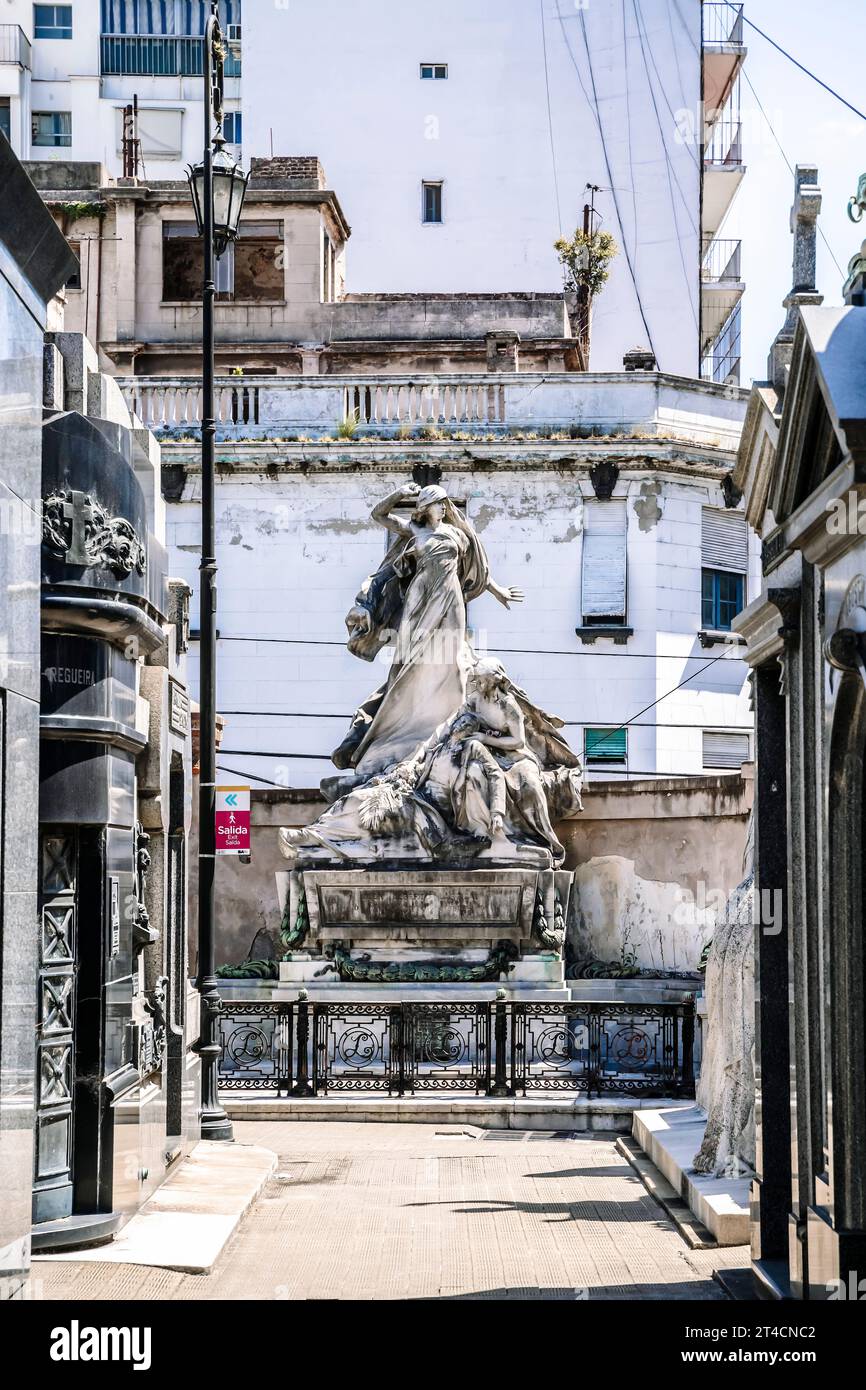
<point>579,457</point>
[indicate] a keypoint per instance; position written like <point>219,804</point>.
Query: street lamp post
<point>218,188</point>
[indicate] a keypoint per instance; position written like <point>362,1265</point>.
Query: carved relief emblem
<point>844,648</point>
<point>75,528</point>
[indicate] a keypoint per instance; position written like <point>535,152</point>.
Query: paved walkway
<point>396,1211</point>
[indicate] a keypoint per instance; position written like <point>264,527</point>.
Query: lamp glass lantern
<point>229,191</point>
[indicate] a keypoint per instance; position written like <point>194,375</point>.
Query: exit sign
<point>232,820</point>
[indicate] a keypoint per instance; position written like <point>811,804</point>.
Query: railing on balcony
<point>166,404</point>
<point>560,405</point>
<point>414,404</point>
<point>721,362</point>
<point>721,261</point>
<point>14,45</point>
<point>485,1048</point>
<point>152,55</point>
<point>724,147</point>
<point>722,25</point>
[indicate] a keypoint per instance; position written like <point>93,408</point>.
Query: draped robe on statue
<point>422,588</point>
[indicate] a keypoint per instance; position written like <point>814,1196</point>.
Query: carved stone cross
<point>79,512</point>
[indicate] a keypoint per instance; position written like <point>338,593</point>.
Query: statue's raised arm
<point>405,496</point>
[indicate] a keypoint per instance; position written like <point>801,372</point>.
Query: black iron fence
<point>485,1048</point>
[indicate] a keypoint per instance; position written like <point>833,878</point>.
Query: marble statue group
<point>449,760</point>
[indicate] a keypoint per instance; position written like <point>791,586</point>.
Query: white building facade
<point>465,136</point>
<point>620,533</point>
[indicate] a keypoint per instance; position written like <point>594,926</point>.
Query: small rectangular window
<point>604,745</point>
<point>52,128</point>
<point>721,599</point>
<point>434,72</point>
<point>725,750</point>
<point>250,269</point>
<point>52,21</point>
<point>6,117</point>
<point>603,584</point>
<point>432,202</point>
<point>74,281</point>
<point>233,128</point>
<point>724,562</point>
<point>260,262</point>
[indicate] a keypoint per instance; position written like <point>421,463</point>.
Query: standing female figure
<point>436,566</point>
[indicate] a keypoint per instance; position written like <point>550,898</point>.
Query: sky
<point>812,127</point>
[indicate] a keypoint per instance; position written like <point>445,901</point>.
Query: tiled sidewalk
<point>396,1211</point>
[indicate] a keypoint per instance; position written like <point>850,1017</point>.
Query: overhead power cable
<point>505,651</point>
<point>641,24</point>
<point>594,109</point>
<point>610,733</point>
<point>602,773</point>
<point>797,64</point>
<point>669,167</point>
<point>550,116</point>
<point>326,757</point>
<point>790,166</point>
<point>343,718</point>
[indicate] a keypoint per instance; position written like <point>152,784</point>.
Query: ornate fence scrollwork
<point>256,1047</point>
<point>482,1047</point>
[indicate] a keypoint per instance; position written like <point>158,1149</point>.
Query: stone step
<point>555,1112</point>
<point>188,1221</point>
<point>693,1232</point>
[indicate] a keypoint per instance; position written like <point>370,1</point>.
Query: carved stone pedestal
<point>439,932</point>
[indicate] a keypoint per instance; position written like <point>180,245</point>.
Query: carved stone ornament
<point>733,495</point>
<point>604,476</point>
<point>153,1033</point>
<point>363,970</point>
<point>75,528</point>
<point>845,649</point>
<point>143,934</point>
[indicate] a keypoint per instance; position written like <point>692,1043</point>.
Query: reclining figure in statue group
<point>485,786</point>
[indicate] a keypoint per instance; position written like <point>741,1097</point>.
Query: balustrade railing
<point>722,25</point>
<point>721,260</point>
<point>174,405</point>
<point>297,407</point>
<point>483,1047</point>
<point>725,145</point>
<point>159,55</point>
<point>412,403</point>
<point>14,45</point>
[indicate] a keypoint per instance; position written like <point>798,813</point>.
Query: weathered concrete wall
<point>653,860</point>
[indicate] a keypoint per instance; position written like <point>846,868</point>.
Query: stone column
<point>771,1189</point>
<point>125,261</point>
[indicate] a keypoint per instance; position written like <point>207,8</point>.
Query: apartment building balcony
<point>157,55</point>
<point>721,357</point>
<point>723,52</point>
<point>721,287</point>
<point>14,46</point>
<point>554,407</point>
<point>724,169</point>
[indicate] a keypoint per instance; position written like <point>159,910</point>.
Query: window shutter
<point>604,561</point>
<point>725,750</point>
<point>724,540</point>
<point>605,745</point>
